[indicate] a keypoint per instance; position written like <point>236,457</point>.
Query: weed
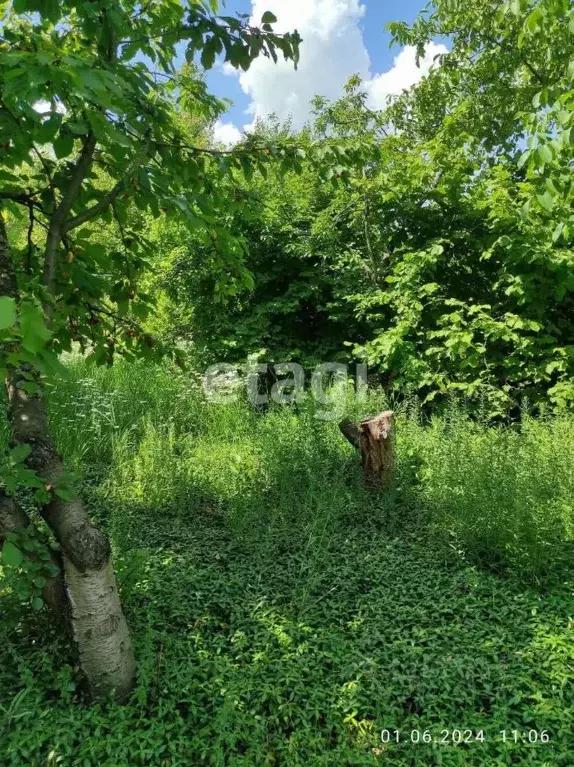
<point>283,615</point>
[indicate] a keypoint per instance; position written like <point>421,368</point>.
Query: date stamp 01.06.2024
<point>447,737</point>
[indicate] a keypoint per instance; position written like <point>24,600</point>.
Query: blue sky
<point>340,38</point>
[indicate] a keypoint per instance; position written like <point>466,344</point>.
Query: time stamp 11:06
<point>455,737</point>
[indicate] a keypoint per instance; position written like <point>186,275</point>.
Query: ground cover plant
<point>283,615</point>
<point>189,583</point>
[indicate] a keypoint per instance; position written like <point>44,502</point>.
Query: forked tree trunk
<point>374,438</point>
<point>98,622</point>
<point>99,625</point>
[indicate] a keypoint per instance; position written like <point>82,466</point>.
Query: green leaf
<point>546,200</point>
<point>10,484</point>
<point>63,146</point>
<point>49,129</point>
<point>20,453</point>
<point>42,496</point>
<point>557,233</point>
<point>212,47</point>
<point>11,555</point>
<point>49,9</point>
<point>7,312</point>
<point>268,18</point>
<point>51,569</point>
<point>64,493</point>
<point>533,21</point>
<point>35,334</point>
<point>544,153</point>
<point>37,603</point>
<point>247,167</point>
<point>523,158</point>
<point>29,387</point>
<point>78,127</point>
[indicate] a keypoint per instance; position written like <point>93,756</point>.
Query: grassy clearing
<point>282,615</point>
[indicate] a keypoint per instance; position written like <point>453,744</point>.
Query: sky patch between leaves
<point>333,50</point>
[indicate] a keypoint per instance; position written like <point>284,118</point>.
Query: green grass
<point>281,614</point>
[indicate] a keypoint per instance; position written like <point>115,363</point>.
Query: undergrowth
<point>282,615</point>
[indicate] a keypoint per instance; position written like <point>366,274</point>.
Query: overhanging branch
<point>96,209</point>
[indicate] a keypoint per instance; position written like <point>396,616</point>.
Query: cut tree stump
<point>374,438</point>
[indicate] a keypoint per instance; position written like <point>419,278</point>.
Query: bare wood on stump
<point>374,438</point>
<point>377,450</point>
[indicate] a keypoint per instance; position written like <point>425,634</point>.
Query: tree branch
<point>351,432</point>
<point>56,228</point>
<point>30,249</point>
<point>185,30</point>
<point>109,198</point>
<point>127,321</point>
<point>96,209</point>
<point>22,199</point>
<point>8,285</point>
<point>79,171</point>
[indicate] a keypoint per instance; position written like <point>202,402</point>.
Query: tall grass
<point>503,496</point>
<point>152,451</point>
<point>284,615</point>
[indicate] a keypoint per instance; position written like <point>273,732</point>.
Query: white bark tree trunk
<point>98,622</point>
<point>100,630</point>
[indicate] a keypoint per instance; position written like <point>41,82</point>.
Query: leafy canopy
<point>93,124</point>
<point>446,260</point>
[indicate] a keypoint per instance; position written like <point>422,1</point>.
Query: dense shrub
<point>444,259</point>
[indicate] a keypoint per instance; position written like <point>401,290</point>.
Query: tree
<point>505,86</point>
<point>91,111</point>
<point>290,306</point>
<point>446,260</point>
<point>280,310</point>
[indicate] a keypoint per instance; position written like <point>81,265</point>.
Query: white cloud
<point>403,74</point>
<point>228,69</point>
<point>226,133</point>
<point>332,50</point>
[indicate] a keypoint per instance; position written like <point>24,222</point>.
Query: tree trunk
<point>374,438</point>
<point>13,518</point>
<point>99,625</point>
<point>98,622</point>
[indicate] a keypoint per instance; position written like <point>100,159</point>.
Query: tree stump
<point>374,438</point>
